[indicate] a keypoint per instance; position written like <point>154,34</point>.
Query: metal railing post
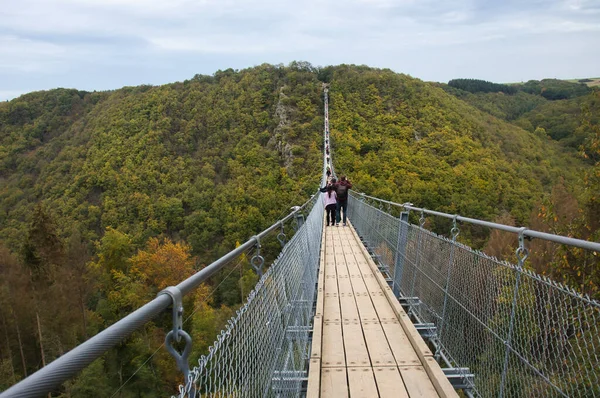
<point>400,252</point>
<point>454,231</point>
<point>418,254</point>
<point>522,254</point>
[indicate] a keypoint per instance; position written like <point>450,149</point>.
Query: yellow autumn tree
<point>162,264</point>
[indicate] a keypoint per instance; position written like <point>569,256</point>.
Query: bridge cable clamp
<point>180,359</point>
<point>522,252</point>
<point>454,231</point>
<point>176,296</point>
<point>257,261</point>
<point>281,235</point>
<point>177,333</point>
<point>422,219</point>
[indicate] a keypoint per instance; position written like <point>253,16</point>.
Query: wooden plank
<point>348,306</point>
<point>334,383</point>
<point>331,284</point>
<point>320,294</point>
<point>331,308</point>
<point>350,258</point>
<point>417,382</point>
<point>362,383</point>
<point>340,266</point>
<point>365,308</point>
<point>314,378</point>
<point>370,281</point>
<point>383,308</point>
<point>439,379</point>
<point>332,353</point>
<point>315,349</point>
<point>402,350</point>
<point>377,344</point>
<point>354,345</point>
<point>344,284</point>
<point>358,284</point>
<point>389,383</point>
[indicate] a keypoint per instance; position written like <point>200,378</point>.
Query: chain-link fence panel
<point>519,333</point>
<point>264,350</point>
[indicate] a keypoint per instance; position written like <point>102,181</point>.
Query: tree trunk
<point>37,315</point>
<point>82,305</point>
<point>10,355</point>
<point>20,346</point>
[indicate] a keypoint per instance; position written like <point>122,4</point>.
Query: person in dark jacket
<point>341,190</point>
<point>328,185</point>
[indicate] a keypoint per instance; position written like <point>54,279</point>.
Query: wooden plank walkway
<point>364,344</point>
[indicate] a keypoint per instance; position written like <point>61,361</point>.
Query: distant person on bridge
<point>330,200</point>
<point>341,190</point>
<point>328,172</point>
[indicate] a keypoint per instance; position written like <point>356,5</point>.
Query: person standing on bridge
<point>330,200</point>
<point>341,190</point>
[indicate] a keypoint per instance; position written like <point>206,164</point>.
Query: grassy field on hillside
<point>589,81</point>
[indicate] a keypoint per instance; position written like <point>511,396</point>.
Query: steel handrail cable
<point>584,244</point>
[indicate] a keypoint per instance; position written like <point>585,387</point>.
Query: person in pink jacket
<point>330,200</point>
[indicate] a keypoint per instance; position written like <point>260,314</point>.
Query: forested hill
<point>404,139</point>
<point>549,108</point>
<point>213,157</point>
<point>101,192</point>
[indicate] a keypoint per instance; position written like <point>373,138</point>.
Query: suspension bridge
<point>380,307</point>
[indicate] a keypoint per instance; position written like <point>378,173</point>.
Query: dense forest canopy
<point>551,89</point>
<point>108,197</point>
<point>481,86</point>
<point>556,108</point>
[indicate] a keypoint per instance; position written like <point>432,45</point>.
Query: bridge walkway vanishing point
<point>364,344</point>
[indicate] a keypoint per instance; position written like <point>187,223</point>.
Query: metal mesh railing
<point>519,333</point>
<point>264,349</point>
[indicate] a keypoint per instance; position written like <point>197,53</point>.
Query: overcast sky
<point>107,44</point>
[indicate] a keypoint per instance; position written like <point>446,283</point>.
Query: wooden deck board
<point>389,383</point>
<point>402,350</point>
<point>334,383</point>
<point>314,379</point>
<point>332,352</point>
<point>354,345</point>
<point>417,382</point>
<point>315,348</point>
<point>377,344</point>
<point>362,383</point>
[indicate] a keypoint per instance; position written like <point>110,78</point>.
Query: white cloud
<point>28,55</point>
<point>152,35</point>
